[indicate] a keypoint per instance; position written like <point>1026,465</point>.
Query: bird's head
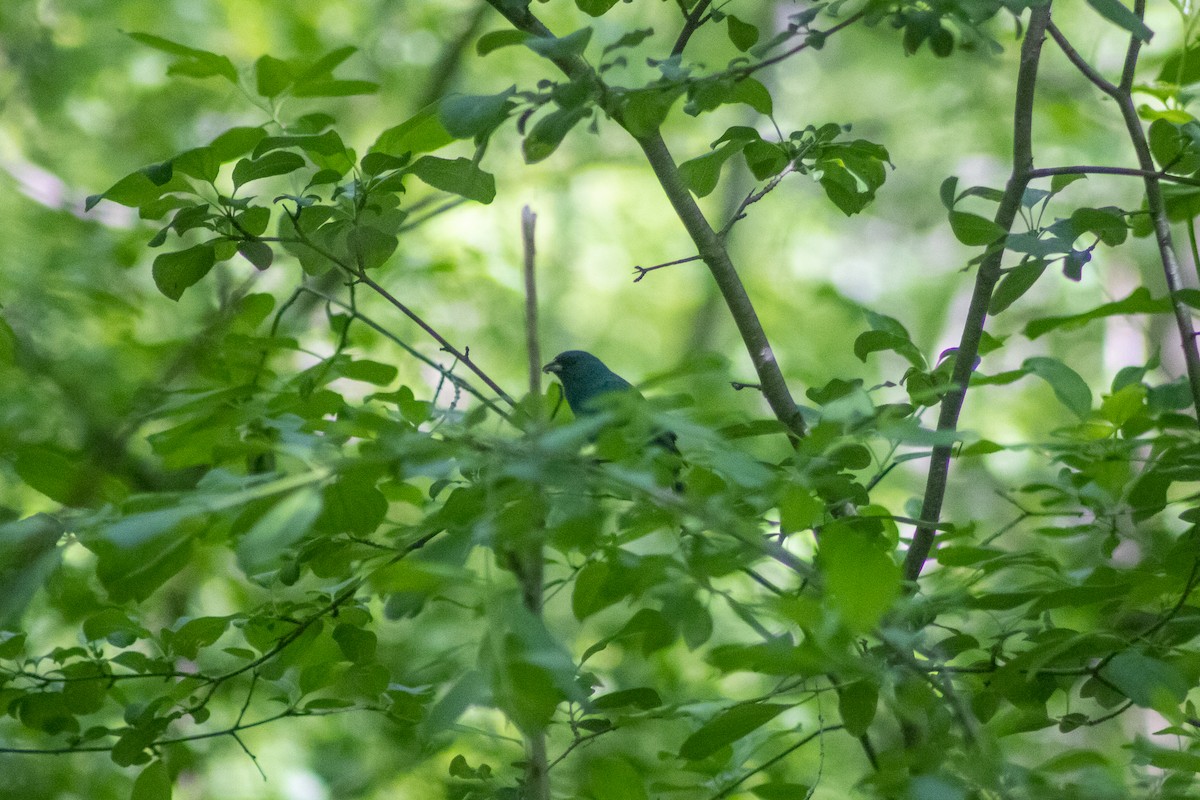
<point>573,363</point>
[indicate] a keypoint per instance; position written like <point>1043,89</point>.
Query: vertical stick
<point>528,220</point>
<point>532,563</point>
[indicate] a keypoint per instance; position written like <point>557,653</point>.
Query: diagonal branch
<point>708,243</point>
<point>985,282</point>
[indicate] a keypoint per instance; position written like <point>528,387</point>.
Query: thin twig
<point>642,271</point>
<point>728,789</point>
<point>691,23</point>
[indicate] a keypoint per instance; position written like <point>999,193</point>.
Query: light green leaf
<point>974,230</point>
<point>1071,389</point>
<point>1138,301</point>
<point>861,579</point>
<point>423,132</point>
<point>286,522</point>
<point>153,783</point>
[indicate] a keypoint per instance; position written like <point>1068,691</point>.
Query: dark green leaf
<point>595,8</point>
<point>460,176</point>
<point>175,272</point>
<point>646,109</point>
<point>195,63</point>
<point>727,727</point>
<point>259,254</point>
<point>856,705</point>
<point>494,40</point>
<point>271,76</point>
<point>549,131</point>
<point>1119,14</point>
<point>1148,682</point>
<point>573,44</point>
<point>742,34</point>
<point>1015,283</point>
<point>465,116</point>
<point>275,163</point>
<point>334,88</point>
<point>287,521</point>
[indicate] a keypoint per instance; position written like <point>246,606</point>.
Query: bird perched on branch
<point>585,378</point>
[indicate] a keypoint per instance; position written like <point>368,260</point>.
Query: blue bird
<point>585,379</point>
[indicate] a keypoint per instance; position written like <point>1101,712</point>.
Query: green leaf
<point>974,230</point>
<point>861,580</point>
<point>54,473</point>
<point>1071,389</point>
<point>423,132</point>
<point>701,174</point>
<point>1015,283</point>
<point>460,176</point>
<point>194,63</point>
<point>573,44</point>
<point>1181,67</point>
<point>334,88</point>
<point>353,505</point>
<point>153,783</point>
<point>370,371</point>
<point>175,272</point>
<point>271,76</point>
<point>877,341</point>
<point>857,704</point>
<point>357,644</point>
<point>494,40</point>
<point>1148,682</point>
<point>259,254</point>
<point>1119,14</point>
<point>139,553</point>
<point>753,93</point>
<point>1107,224</point>
<point>141,187</point>
<point>631,39</point>
<point>612,777</point>
<point>727,727</point>
<point>645,110</point>
<point>274,163</point>
<point>29,555</point>
<point>742,34</point>
<point>644,698</point>
<point>799,510</point>
<point>466,116</point>
<point>287,521</point>
<point>595,8</point>
<point>549,132</point>
<point>1139,301</point>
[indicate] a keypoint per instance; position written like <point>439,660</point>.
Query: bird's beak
<point>553,367</point>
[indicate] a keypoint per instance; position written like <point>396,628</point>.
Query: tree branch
<point>708,243</point>
<point>1173,275</point>
<point>985,282</point>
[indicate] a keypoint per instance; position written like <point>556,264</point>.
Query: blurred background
<point>82,104</point>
